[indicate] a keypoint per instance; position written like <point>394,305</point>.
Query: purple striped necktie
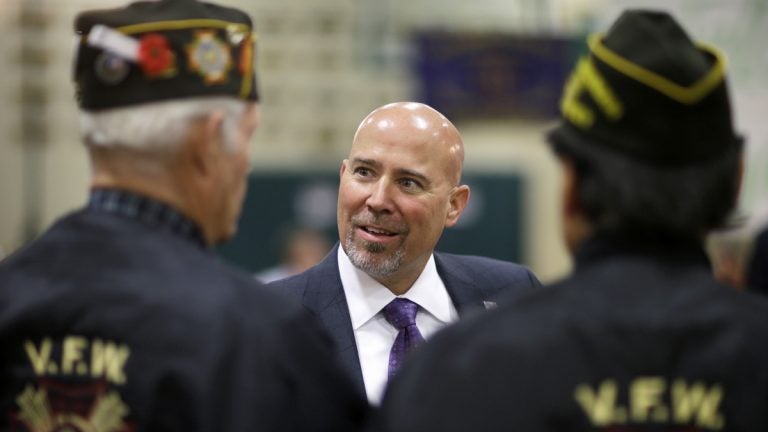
<point>401,313</point>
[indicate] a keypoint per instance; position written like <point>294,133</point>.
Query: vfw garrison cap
<point>151,51</point>
<point>647,91</point>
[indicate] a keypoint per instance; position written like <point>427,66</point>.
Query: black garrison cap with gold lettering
<point>151,51</point>
<point>647,91</point>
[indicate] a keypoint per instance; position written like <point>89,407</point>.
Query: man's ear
<point>576,226</point>
<point>570,192</point>
<point>457,202</point>
<point>343,168</point>
<point>205,141</point>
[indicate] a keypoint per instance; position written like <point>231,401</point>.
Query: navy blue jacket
<point>640,337</point>
<point>112,324</point>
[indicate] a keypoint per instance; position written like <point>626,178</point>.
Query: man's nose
<point>380,197</point>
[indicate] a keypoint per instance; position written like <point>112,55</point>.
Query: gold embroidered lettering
<point>39,358</point>
<point>699,401</point>
<point>108,360</point>
<point>72,353</point>
<point>645,397</point>
<point>600,405</point>
<point>586,77</point>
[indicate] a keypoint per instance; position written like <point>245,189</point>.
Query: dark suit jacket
<point>470,281</point>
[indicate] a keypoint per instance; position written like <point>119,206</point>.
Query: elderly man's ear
<point>204,142</point>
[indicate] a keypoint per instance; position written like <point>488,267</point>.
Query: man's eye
<point>410,183</point>
<point>363,172</point>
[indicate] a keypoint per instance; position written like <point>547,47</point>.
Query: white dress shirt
<point>374,336</point>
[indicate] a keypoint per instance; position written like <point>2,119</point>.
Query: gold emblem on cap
<point>689,95</point>
<point>246,64</point>
<point>236,34</point>
<point>586,78</point>
<point>210,57</point>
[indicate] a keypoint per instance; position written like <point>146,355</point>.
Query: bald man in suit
<point>400,187</point>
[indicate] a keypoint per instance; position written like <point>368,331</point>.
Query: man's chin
<point>377,264</point>
<point>373,247</point>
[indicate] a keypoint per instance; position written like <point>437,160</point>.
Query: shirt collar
<point>366,297</point>
<point>147,211</point>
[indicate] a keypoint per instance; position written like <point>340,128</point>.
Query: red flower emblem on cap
<point>155,55</point>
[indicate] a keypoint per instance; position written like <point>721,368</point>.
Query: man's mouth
<point>377,231</point>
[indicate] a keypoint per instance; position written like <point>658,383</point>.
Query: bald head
<point>399,188</point>
<point>418,125</point>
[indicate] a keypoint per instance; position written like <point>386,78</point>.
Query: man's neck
<point>146,210</point>
<point>400,282</point>
<point>156,184</point>
<point>148,187</point>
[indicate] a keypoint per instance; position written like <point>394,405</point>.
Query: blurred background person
<point>120,316</point>
<point>757,272</point>
<point>299,248</point>
<point>728,250</point>
<point>641,336</point>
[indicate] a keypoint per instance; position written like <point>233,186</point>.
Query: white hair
<point>158,126</point>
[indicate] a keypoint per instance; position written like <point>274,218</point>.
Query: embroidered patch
<point>586,78</point>
<point>111,69</point>
<point>210,57</point>
<point>155,56</point>
<point>70,407</point>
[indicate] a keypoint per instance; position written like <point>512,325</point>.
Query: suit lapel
<point>324,295</point>
<point>464,293</point>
